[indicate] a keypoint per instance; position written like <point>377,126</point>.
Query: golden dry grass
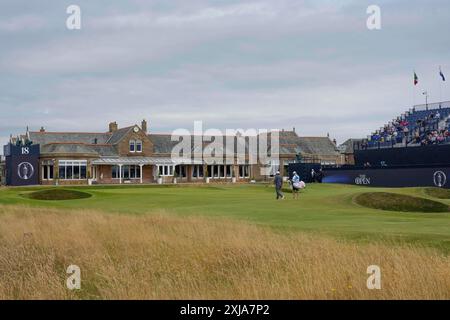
<point>167,257</point>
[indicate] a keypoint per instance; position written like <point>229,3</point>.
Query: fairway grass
<point>322,208</point>
<point>161,256</point>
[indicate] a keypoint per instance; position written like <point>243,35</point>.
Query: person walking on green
<point>295,184</point>
<point>278,181</point>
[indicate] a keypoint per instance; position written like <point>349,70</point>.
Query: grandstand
<point>418,137</point>
<point>422,125</point>
<point>412,150</point>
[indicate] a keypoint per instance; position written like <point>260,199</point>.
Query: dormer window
<point>138,146</point>
<point>135,146</point>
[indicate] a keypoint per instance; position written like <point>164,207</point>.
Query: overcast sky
<point>312,65</point>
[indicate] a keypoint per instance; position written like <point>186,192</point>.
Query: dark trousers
<point>279,193</point>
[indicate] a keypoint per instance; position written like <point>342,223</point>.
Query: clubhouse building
<point>132,155</point>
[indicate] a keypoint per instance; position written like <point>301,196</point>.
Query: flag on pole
<point>416,78</point>
<point>441,74</point>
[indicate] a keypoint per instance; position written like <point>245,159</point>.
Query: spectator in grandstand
<point>432,137</point>
<point>295,185</point>
<point>417,136</point>
<point>278,181</point>
<point>424,127</point>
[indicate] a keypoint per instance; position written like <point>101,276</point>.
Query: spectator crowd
<point>424,127</point>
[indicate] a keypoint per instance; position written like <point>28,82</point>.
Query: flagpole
<point>414,92</point>
<point>440,86</point>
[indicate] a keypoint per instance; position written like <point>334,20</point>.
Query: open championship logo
<point>439,179</point>
<point>25,170</point>
<point>362,179</point>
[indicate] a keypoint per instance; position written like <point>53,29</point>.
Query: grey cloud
<point>250,64</point>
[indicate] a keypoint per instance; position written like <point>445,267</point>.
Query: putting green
<point>321,208</point>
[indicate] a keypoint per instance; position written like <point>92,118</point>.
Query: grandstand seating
<point>421,125</point>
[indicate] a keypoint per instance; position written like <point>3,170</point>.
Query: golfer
<point>295,184</point>
<point>278,181</point>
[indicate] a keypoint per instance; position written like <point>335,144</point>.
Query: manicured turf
<point>322,208</point>
<point>438,193</point>
<point>399,202</point>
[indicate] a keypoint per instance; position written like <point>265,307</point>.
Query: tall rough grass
<point>159,256</point>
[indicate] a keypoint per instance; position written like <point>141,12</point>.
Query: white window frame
<point>132,143</point>
<point>46,168</point>
<point>242,170</point>
<point>166,170</point>
<point>216,169</point>
<point>228,170</point>
<point>121,172</point>
<point>73,164</point>
<point>136,144</point>
<point>196,169</point>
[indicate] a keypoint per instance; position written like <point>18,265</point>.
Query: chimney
<point>144,125</point>
<point>293,129</point>
<point>42,129</point>
<point>334,141</point>
<point>113,126</point>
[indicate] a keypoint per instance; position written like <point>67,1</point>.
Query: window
<point>180,170</point>
<point>244,171</point>
<point>72,169</point>
<point>115,172</point>
<point>76,172</point>
<point>47,171</point>
<point>197,171</point>
<point>165,170</point>
<point>138,146</point>
<point>132,146</point>
<point>135,145</point>
<point>219,171</point>
<point>229,171</point>
<point>128,172</point>
<point>210,171</point>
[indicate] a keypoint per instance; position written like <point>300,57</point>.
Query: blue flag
<point>441,74</point>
